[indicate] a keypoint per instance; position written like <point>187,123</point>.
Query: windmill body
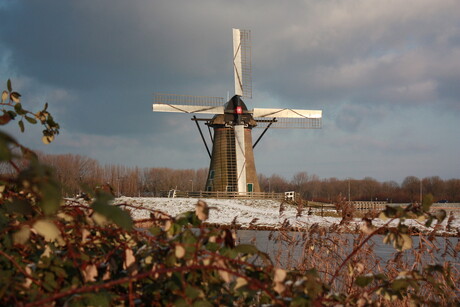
<point>232,167</point>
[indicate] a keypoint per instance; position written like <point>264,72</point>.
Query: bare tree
<point>434,185</point>
<point>453,190</point>
<point>411,186</point>
<point>300,183</point>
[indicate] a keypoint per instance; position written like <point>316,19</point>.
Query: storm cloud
<point>385,74</point>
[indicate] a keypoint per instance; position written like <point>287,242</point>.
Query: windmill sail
<point>187,109</point>
<point>240,155</point>
<point>286,113</point>
<point>187,99</point>
<point>242,62</point>
<point>188,104</point>
<point>288,118</point>
<point>289,123</point>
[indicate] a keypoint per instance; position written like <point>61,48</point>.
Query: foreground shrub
<point>53,253</point>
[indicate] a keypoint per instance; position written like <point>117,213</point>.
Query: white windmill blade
<point>188,104</point>
<point>286,113</point>
<point>162,98</point>
<point>161,107</point>
<point>288,123</point>
<point>242,62</point>
<point>240,157</point>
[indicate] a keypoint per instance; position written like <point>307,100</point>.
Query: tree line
<point>311,187</point>
<point>76,171</point>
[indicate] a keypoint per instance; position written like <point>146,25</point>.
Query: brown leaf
<point>226,276</point>
<point>279,287</point>
<point>4,96</point>
<point>167,225</point>
<point>47,139</point>
<point>28,281</point>
<point>48,230</point>
<point>129,258</point>
<point>407,242</point>
<point>107,274</point>
<point>229,239</point>
<point>47,252</point>
<point>84,235</point>
<point>367,227</point>
<point>5,119</point>
<point>90,273</point>
<point>15,97</point>
<point>202,210</point>
<point>280,275</point>
<point>22,235</point>
<point>240,282</point>
<point>179,251</point>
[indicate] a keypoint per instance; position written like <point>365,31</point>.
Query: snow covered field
<point>260,213</point>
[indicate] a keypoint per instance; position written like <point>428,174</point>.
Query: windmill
<point>232,167</point>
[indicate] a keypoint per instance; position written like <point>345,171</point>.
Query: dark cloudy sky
<point>385,73</point>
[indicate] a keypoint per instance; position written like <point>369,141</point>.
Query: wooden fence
<point>369,205</point>
<point>221,194</point>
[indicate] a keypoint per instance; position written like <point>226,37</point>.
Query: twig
<point>355,250</point>
<point>16,168</point>
<point>35,281</point>
<point>94,288</point>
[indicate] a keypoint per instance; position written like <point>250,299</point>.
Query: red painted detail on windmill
<point>239,110</point>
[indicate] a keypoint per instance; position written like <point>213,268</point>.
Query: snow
<point>262,213</point>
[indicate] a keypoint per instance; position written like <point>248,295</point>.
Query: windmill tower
<point>232,166</point>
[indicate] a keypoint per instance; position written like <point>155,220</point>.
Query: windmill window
<point>211,174</point>
<point>250,187</point>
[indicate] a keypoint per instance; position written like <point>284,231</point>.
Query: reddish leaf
<point>5,119</point>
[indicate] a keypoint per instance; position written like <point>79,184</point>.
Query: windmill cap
<point>236,105</point>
